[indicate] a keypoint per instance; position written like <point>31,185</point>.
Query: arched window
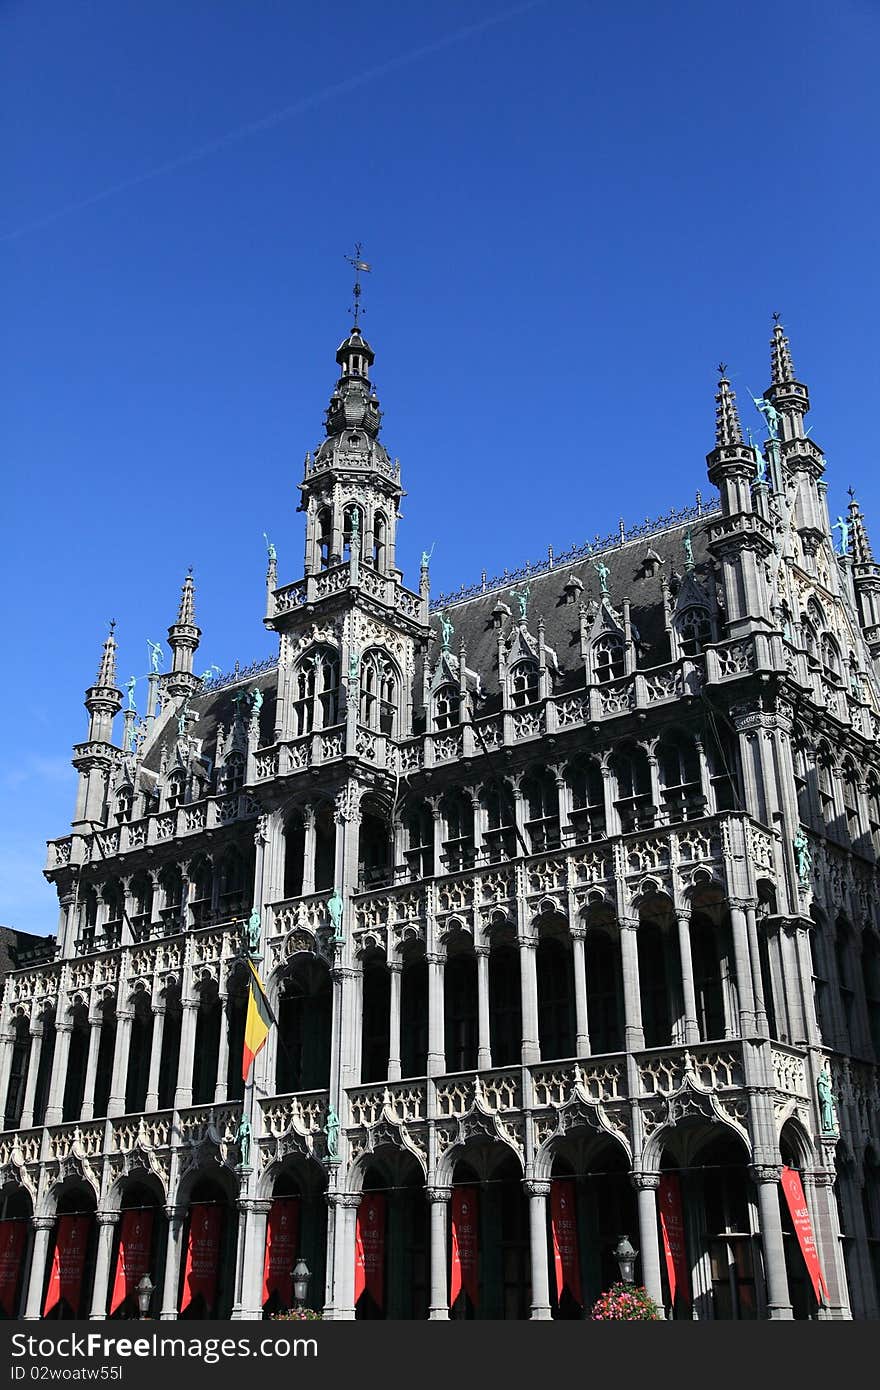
<point>500,835</point>
<point>457,817</point>
<point>113,903</point>
<point>830,656</point>
<point>419,829</point>
<point>843,952</point>
<point>316,705</point>
<point>379,686</point>
<point>541,800</point>
<point>171,883</point>
<point>124,805</point>
<point>609,662</point>
<point>174,791</point>
<point>694,631</point>
<point>352,525</point>
<point>304,1012</point>
<point>818,960</point>
<point>632,783</point>
<point>586,786</point>
<point>141,891</point>
<point>825,778</point>
<point>231,775</point>
<point>233,886</point>
<point>202,879</point>
<point>681,788</point>
<point>871,981</point>
<point>380,542</point>
<point>722,755</point>
<point>808,637</point>
<point>874,810</point>
<point>324,535</point>
<point>801,775</point>
<point>851,802</point>
<point>447,704</point>
<point>88,915</point>
<point>524,683</point>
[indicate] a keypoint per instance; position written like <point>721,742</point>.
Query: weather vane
<point>359,265</point>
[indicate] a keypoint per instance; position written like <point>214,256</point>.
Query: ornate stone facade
<point>605,839</point>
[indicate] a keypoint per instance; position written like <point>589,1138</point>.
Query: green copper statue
<point>335,907</point>
<point>803,858</point>
<point>426,557</point>
<point>770,414</point>
<point>602,570</point>
<point>256,701</point>
<point>761,462</point>
<point>355,526</point>
<point>522,598</point>
<point>843,527</point>
<point>270,549</point>
<point>688,550</point>
<point>243,1139</point>
<point>353,666</point>
<point>827,1116</point>
<point>448,630</point>
<point>253,932</point>
<point>331,1129</point>
<point>239,702</point>
<point>130,685</point>
<point>155,654</point>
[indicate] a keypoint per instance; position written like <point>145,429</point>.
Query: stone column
<point>54,1109</point>
<point>538,1192</point>
<point>252,1249</point>
<point>438,1308</point>
<point>766,1179</point>
<point>27,1112</point>
<point>436,1020</point>
<point>661,816</point>
<point>88,1103</point>
<point>106,1229</point>
<point>484,1043</point>
<point>152,1100</point>
<point>119,1074</point>
<point>634,1033</point>
<point>395,970</point>
<point>528,974</point>
<point>761,1025</point>
<point>309,838</point>
<point>33,1307</point>
<point>346,1205</point>
<point>222,1080</point>
<point>739,931</point>
<point>7,1043</point>
<point>691,1026</point>
<point>171,1275</point>
<point>646,1185</point>
<point>183,1093</point>
<point>582,1022</point>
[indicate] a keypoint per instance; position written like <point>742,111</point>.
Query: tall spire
<point>728,430</point>
<point>106,676</point>
<point>183,639</point>
<point>186,613</point>
<point>859,544</point>
<point>781,365</point>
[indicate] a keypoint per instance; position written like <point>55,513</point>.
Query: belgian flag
<point>258,1022</point>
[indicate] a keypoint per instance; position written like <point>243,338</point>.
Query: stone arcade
<point>567,875</point>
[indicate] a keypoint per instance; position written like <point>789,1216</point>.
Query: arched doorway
<point>590,1184</point>
<point>392,1231</point>
<point>16,1213</point>
<point>304,1010</point>
<point>555,980</point>
<point>70,1265</point>
<point>296,1227</point>
<point>489,1180</point>
<point>207,1273</point>
<point>138,1248</point>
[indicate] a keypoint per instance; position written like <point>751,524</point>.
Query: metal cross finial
<point>851,494</point>
<point>776,317</point>
<point>722,369</point>
<point>112,626</point>
<point>359,265</point>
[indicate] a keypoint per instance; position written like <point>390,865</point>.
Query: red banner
<point>13,1235</point>
<point>563,1221</point>
<point>202,1254</point>
<point>133,1255</point>
<point>68,1262</point>
<point>464,1245</point>
<point>282,1234</point>
<point>674,1247</point>
<point>369,1248</point>
<point>803,1229</point>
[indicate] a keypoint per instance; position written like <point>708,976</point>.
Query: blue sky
<point>573,210</point>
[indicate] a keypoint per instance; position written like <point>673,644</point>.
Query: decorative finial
<point>728,431</point>
<point>776,316</point>
<point>851,494</point>
<point>358,265</point>
<point>722,369</point>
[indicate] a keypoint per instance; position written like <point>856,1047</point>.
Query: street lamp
<point>301,1276</point>
<point>144,1291</point>
<point>626,1258</point>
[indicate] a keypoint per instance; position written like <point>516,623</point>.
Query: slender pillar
<point>88,1104</point>
<point>691,1026</point>
<point>106,1229</point>
<point>484,1043</point>
<point>346,1204</point>
<point>438,1308</point>
<point>54,1109</point>
<point>582,1023</point>
<point>394,971</point>
<point>646,1185</point>
<point>252,1247</point>
<point>309,840</point>
<point>30,1089</point>
<point>184,1092</point>
<point>436,1022</point>
<point>152,1100</point>
<point>634,1033</point>
<point>528,975</point>
<point>121,1048</point>
<point>538,1192</point>
<point>766,1179</point>
<point>761,1024</point>
<point>171,1275</point>
<point>7,1043</point>
<point>739,930</point>
<point>33,1302</point>
<point>222,1080</point>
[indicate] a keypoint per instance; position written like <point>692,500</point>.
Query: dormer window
<point>446,707</point>
<point>124,805</point>
<point>694,630</point>
<point>608,658</point>
<point>524,684</point>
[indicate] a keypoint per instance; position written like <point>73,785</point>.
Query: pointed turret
<point>865,577</point>
<point>731,463</point>
<point>728,430</point>
<point>103,699</point>
<point>183,639</point>
<point>786,394</point>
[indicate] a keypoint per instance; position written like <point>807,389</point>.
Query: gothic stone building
<point>605,835</point>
